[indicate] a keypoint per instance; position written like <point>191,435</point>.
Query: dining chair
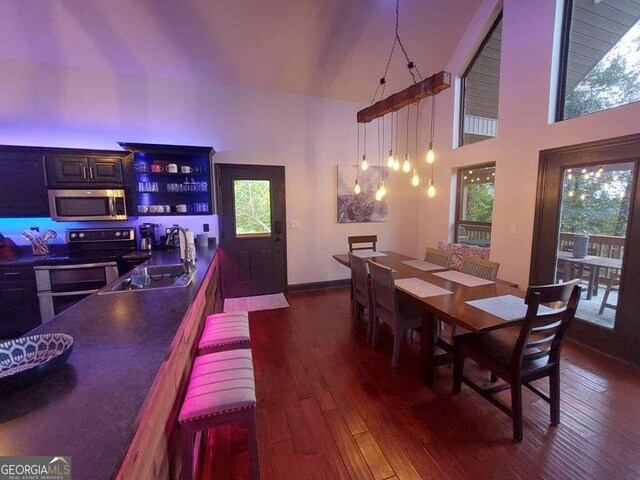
<point>480,268</point>
<point>400,316</point>
<point>361,290</point>
<point>438,256</point>
<point>522,354</point>
<point>362,242</point>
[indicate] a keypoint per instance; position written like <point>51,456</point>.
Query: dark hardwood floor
<point>331,407</point>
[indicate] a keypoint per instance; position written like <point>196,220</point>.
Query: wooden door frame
<point>622,340</point>
<point>219,167</point>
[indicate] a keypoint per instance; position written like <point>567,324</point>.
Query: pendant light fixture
<point>381,106</point>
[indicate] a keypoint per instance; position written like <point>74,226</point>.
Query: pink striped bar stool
<point>224,331</point>
<point>221,390</point>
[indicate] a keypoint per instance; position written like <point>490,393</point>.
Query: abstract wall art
<point>362,207</point>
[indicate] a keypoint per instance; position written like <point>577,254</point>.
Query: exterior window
<point>480,89</point>
<point>600,64</point>
<point>474,205</point>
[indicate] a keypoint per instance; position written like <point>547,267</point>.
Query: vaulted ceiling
<point>331,48</point>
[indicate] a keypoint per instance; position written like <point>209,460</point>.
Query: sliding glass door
<point>586,227</point>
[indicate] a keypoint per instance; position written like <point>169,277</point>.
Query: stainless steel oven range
<point>90,264</point>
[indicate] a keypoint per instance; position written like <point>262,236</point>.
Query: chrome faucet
<point>189,257</point>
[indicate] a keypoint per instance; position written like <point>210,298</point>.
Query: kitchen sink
<point>152,277</point>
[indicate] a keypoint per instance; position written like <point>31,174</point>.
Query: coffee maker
<point>148,236</point>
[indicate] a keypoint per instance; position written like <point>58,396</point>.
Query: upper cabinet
<point>23,191</point>
<point>171,179</point>
<point>64,170</point>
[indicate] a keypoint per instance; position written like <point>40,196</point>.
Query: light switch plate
<point>295,224</point>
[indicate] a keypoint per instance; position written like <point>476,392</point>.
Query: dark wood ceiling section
<point>595,29</point>
<point>483,79</point>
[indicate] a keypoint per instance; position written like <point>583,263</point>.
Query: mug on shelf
<point>157,168</point>
<point>186,169</point>
<point>181,208</point>
<point>167,209</point>
<point>172,168</point>
<point>141,167</point>
<point>153,209</point>
<point>143,209</point>
<point>197,169</point>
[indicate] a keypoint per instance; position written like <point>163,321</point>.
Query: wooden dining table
<point>450,308</point>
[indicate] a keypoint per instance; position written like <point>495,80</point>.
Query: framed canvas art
<point>362,207</point>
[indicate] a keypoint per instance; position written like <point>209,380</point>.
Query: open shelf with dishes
<point>172,180</point>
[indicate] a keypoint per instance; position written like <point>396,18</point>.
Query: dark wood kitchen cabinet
<point>23,191</point>
<point>19,308</point>
<point>74,170</point>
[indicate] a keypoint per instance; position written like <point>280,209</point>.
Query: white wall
<point>50,105</point>
<point>528,38</point>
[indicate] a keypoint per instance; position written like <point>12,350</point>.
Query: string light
<point>431,154</point>
<point>391,160</point>
<point>356,187</point>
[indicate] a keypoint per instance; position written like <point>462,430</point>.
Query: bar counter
<point>96,407</point>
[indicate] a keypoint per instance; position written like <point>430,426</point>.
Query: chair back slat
<point>383,289</point>
<point>360,279</point>
<point>362,242</point>
<point>438,256</point>
<point>542,334</point>
<point>480,268</point>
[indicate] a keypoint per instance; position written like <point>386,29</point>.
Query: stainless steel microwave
<point>84,205</point>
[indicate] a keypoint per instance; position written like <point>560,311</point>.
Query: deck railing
<point>474,234</point>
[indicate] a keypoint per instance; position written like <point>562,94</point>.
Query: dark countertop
<point>25,257</point>
<point>88,407</point>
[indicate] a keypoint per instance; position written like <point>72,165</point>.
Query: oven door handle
<point>72,267</point>
<point>112,206</point>
<point>67,294</point>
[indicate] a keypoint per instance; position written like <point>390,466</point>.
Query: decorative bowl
<point>25,359</point>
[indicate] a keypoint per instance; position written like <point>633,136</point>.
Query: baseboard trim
<point>303,287</point>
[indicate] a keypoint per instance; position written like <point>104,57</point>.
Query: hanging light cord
<point>433,117</point>
<point>358,154</point>
<point>407,144</point>
<point>410,65</point>
<point>417,121</point>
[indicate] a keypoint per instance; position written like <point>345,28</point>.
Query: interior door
<point>251,207</point>
<point>587,226</point>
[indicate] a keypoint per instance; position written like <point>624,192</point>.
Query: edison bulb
<point>391,161</point>
<point>431,191</point>
<point>383,189</point>
<point>396,164</point>
<point>378,195</point>
<point>583,196</point>
<point>356,189</point>
<point>431,155</point>
<point>569,176</point>
<point>415,180</point>
<point>406,165</point>
<point>571,193</point>
<point>365,164</point>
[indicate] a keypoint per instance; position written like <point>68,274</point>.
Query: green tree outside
<point>252,206</point>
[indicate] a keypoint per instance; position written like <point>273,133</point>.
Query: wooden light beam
<point>429,86</point>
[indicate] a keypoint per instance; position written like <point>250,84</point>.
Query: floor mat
<point>251,304</point>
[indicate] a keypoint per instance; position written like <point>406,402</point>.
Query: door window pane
<point>593,227</point>
<point>601,58</point>
<point>475,205</point>
<point>252,203</point>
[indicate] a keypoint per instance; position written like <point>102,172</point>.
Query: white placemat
<point>508,307</point>
<point>369,254</point>
<point>420,288</point>
<point>463,278</point>
<point>422,265</point>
